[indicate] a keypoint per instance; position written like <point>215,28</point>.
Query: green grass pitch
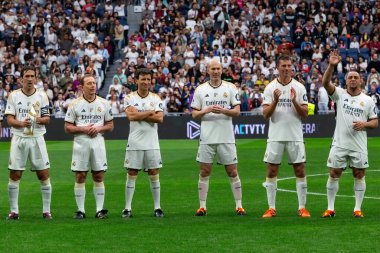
<point>179,230</point>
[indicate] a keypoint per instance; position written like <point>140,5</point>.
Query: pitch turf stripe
<point>322,194</point>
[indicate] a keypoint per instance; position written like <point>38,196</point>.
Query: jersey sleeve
<point>159,105</point>
<point>108,115</point>
<point>44,105</point>
<point>70,114</point>
<point>11,108</point>
<point>335,96</point>
<point>196,103</point>
<point>127,101</point>
<point>372,114</point>
<point>268,96</point>
<point>303,96</point>
<point>235,98</point>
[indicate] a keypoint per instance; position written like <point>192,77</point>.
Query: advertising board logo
<point>193,130</point>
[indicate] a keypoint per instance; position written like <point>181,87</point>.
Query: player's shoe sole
<point>47,216</point>
<point>102,214</point>
<point>270,213</point>
<point>79,215</point>
<point>126,214</point>
<point>13,216</point>
<point>158,213</point>
<point>201,212</point>
<point>240,211</point>
<point>303,213</point>
<point>328,214</point>
<point>358,214</point>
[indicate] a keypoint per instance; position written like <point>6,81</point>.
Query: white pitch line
<point>322,194</point>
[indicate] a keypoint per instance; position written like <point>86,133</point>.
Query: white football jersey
<point>19,105</point>
<point>143,135</point>
<point>215,127</point>
<point>351,109</point>
<point>83,113</point>
<point>285,124</point>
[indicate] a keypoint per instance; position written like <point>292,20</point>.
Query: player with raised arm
<point>88,118</point>
<point>144,110</point>
<point>285,104</point>
<point>356,112</point>
<point>27,113</point>
<point>215,103</point>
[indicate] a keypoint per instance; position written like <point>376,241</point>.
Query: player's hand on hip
<point>334,58</point>
<point>359,125</point>
<point>276,95</point>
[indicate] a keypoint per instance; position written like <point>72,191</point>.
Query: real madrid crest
<point>225,94</point>
<point>99,109</point>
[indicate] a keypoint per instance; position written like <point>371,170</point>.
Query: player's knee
<point>43,175</point>
<point>335,173</point>
<point>153,172</point>
<point>358,173</point>
<point>80,177</point>
<point>98,176</point>
<point>15,175</point>
<point>133,172</point>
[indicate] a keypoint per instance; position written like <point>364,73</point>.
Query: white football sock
<point>13,190</point>
<point>203,190</point>
<point>80,195</point>
<point>155,188</point>
<point>99,193</point>
<point>332,187</point>
<point>129,191</point>
<point>271,186</point>
<point>359,188</point>
<point>236,190</point>
<point>46,190</point>
<point>301,186</point>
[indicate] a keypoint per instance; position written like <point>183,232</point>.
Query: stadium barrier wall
<point>184,127</point>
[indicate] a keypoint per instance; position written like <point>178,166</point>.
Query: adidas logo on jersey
<point>105,164</point>
<point>206,96</point>
<point>346,100</point>
<point>19,103</point>
<point>83,110</point>
<point>136,104</point>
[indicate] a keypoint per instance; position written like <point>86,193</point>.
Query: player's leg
<point>17,163</point>
<point>205,157</point>
<point>336,162</point>
<point>273,157</point>
<point>153,163</point>
<point>358,162</point>
<point>99,165</point>
<point>40,163</point>
<point>99,194</point>
<point>80,193</point>
<point>133,163</point>
<point>297,157</point>
<point>227,155</point>
<point>80,165</point>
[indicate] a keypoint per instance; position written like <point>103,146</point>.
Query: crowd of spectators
<point>176,40</point>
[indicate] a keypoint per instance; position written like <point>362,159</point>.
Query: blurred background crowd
<point>176,39</point>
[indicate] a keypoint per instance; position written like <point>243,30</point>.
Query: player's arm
<point>43,120</point>
<point>198,114</point>
<point>362,125</point>
<point>134,115</point>
<point>334,59</point>
<point>13,122</point>
<point>268,109</point>
<point>301,109</point>
<point>71,128</point>
<point>157,117</point>
<point>93,131</point>
<point>233,112</point>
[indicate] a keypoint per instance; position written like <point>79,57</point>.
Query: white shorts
<point>275,151</point>
<point>339,157</point>
<point>89,154</point>
<point>225,153</point>
<point>143,159</point>
<point>33,148</point>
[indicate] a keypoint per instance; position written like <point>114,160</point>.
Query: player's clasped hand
<point>217,109</point>
<point>276,94</point>
<point>359,125</point>
<point>293,94</point>
<point>27,123</point>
